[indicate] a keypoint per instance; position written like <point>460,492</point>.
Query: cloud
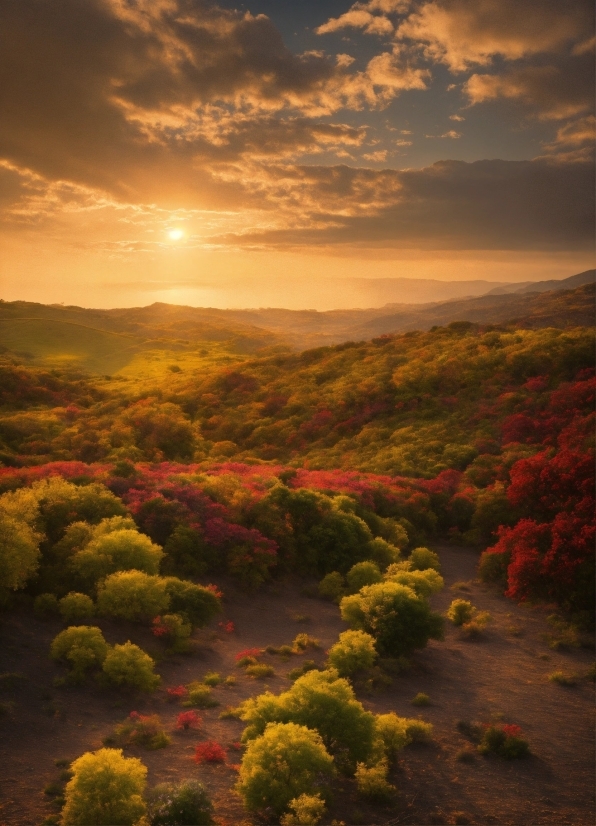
<point>525,205</point>
<point>574,141</point>
<point>551,92</point>
<point>138,99</point>
<point>450,134</point>
<point>466,33</point>
<point>371,17</point>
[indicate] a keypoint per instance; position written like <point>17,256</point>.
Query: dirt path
<point>504,677</point>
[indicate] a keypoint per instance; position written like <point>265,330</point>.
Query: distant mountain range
<point>107,340</point>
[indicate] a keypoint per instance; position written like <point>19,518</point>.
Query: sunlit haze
<point>300,155</point>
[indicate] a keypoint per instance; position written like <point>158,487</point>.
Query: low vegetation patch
<point>503,740</point>
<point>142,730</point>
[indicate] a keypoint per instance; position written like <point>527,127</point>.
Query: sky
<point>288,152</point>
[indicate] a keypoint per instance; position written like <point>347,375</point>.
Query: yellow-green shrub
<point>355,651</point>
<point>286,761</point>
<point>106,788</point>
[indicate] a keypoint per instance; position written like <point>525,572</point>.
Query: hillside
<point>142,339</point>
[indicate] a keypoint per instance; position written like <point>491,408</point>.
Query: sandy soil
<point>502,677</point>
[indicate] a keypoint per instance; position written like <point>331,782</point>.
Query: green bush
<point>120,550</point>
<point>175,630</point>
<point>493,567</point>
<point>418,731</point>
<point>212,678</point>
<point>399,620</point>
<point>106,789</point>
<point>83,646</point>
<point>260,671</point>
<point>199,695</point>
<point>286,761</point>
<point>303,641</point>
<point>421,559</point>
<point>561,678</point>
<point>423,583</point>
<point>460,611</point>
<point>361,574</point>
<point>197,604</point>
<point>188,802</point>
<point>19,550</point>
<point>383,552</point>
<point>76,606</point>
<point>421,699</point>
<point>45,605</point>
<point>322,702</point>
<point>372,781</point>
<point>308,809</point>
<point>354,652</point>
<point>332,586</point>
<point>393,733</point>
<point>128,665</point>
<point>142,730</point>
<point>133,595</point>
<point>503,740</point>
<point>307,665</point>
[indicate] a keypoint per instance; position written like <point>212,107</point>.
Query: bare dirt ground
<point>501,677</point>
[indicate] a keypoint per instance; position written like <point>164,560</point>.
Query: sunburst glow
<point>175,234</point>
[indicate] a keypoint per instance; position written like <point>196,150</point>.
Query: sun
<point>175,234</point>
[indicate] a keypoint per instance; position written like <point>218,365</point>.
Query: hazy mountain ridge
<point>108,340</point>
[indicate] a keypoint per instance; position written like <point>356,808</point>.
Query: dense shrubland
<point>338,465</point>
<point>489,433</point>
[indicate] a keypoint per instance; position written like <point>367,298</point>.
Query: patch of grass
<point>421,699</point>
<point>473,630</point>
<point>560,678</point>
<point>260,671</point>
<point>53,789</point>
<point>199,695</point>
<point>460,586</point>
<point>544,657</point>
<point>212,678</point>
<point>302,618</point>
<point>230,713</point>
<point>243,662</point>
<point>514,630</point>
<point>564,634</point>
<point>62,762</point>
<point>231,680</point>
<point>303,641</point>
<point>307,665</point>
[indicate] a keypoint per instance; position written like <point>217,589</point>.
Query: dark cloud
<point>549,92</point>
<point>136,97</point>
<point>526,205</point>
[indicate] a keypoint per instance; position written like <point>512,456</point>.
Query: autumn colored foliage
<point>308,462</point>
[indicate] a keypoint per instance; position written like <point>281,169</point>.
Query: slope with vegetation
<point>122,497</point>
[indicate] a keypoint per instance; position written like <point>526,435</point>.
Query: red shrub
<point>228,626</point>
<point>248,652</point>
<point>209,752</point>
<point>177,693</point>
<point>188,719</point>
